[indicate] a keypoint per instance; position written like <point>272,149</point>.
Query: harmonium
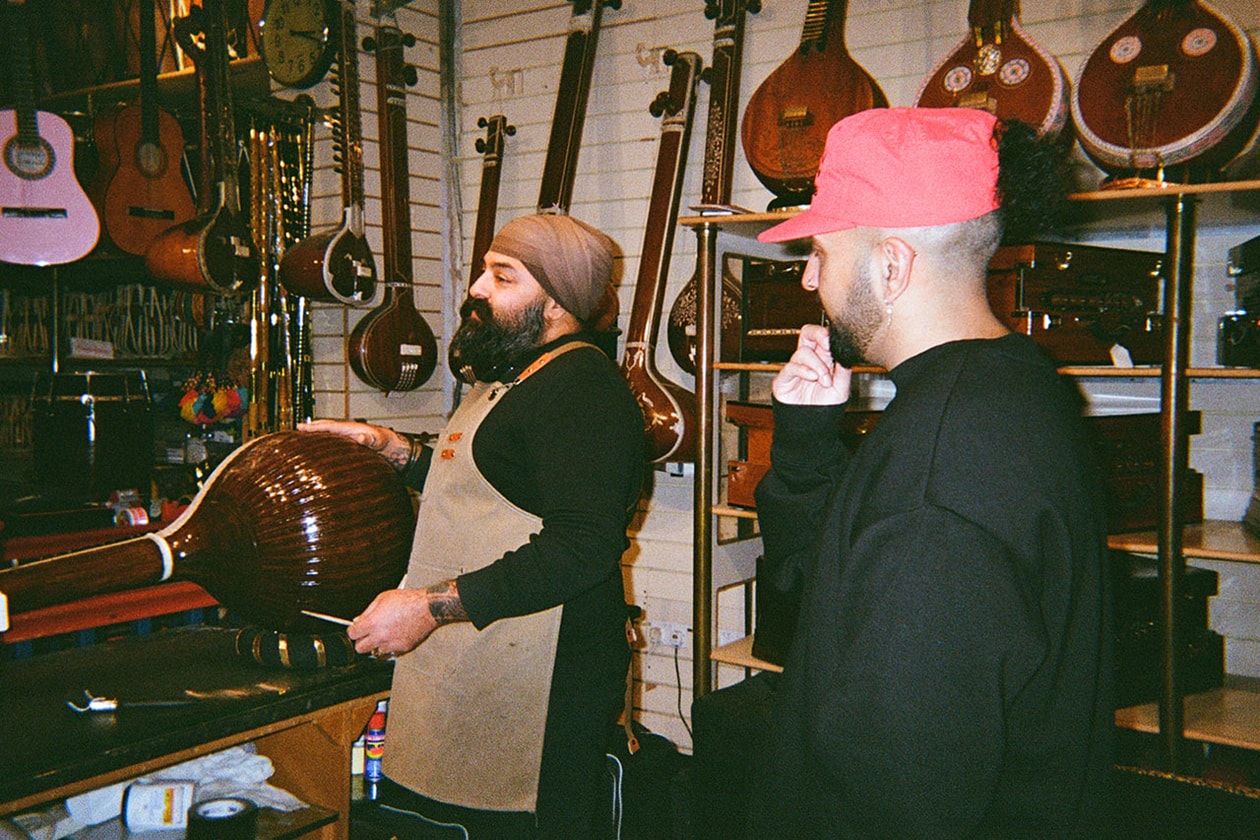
<point>1238,331</point>
<point>1126,448</point>
<point>773,307</point>
<point>1081,303</point>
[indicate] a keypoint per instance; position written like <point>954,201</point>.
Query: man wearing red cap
<point>950,675</point>
<point>509,629</point>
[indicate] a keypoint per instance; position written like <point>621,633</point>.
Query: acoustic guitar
<point>392,347</point>
<point>998,68</point>
<point>719,168</point>
<point>669,411</point>
<point>1173,87</point>
<point>144,190</point>
<point>214,251</point>
<point>789,114</point>
<point>46,218</point>
<point>337,265</point>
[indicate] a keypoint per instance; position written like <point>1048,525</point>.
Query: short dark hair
<point>1032,180</point>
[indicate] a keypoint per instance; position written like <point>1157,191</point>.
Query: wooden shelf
<point>734,512</point>
<point>1229,715</point>
<point>739,652</point>
<point>1099,371</point>
<point>1214,540</point>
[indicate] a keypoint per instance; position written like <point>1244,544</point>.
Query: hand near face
<point>811,376</point>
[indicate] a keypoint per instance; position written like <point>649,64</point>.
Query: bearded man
<point>509,629</point>
<point>950,674</point>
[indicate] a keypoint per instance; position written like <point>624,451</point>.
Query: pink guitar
<point>46,218</point>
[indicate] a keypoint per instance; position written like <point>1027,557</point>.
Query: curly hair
<point>1031,182</point>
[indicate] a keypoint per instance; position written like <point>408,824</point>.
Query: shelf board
<point>734,512</point>
<point>1165,190</point>
<point>1100,371</point>
<point>1214,540</point>
<point>1229,715</point>
<point>739,652</point>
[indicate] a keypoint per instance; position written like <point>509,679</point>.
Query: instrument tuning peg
<point>753,6</point>
<point>409,75</point>
<point>706,75</point>
<point>613,4</point>
<point>480,145</point>
<point>670,57</point>
<point>711,9</point>
<point>408,40</point>
<point>509,130</point>
<point>482,122</point>
<point>369,44</point>
<point>661,104</point>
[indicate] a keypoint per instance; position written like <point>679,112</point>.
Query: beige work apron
<point>468,708</point>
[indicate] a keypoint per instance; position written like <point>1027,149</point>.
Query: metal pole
<point>702,534</point>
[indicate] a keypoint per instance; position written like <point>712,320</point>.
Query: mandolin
<point>1173,86</point>
<point>213,251</point>
<point>998,68</point>
<point>392,347</point>
<point>789,114</point>
<point>145,192</point>
<point>289,521</point>
<point>337,265</point>
<point>719,168</point>
<point>46,217</point>
<point>669,411</point>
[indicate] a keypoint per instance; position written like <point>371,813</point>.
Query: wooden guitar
<point>146,192</point>
<point>392,348</point>
<point>46,218</point>
<point>1174,86</point>
<point>788,117</point>
<point>669,411</point>
<point>214,251</point>
<point>998,68</point>
<point>337,265</point>
<point>719,167</point>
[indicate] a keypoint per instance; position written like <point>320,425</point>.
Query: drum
<point>92,434</point>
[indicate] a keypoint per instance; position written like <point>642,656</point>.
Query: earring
<point>887,312</point>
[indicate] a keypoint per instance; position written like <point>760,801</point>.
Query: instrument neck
<point>348,132</point>
<point>824,26</point>
<point>723,125</point>
<point>391,93</point>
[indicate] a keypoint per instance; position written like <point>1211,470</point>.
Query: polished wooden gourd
<point>290,521</point>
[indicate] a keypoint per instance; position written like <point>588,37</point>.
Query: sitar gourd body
<point>1174,85</point>
<point>289,521</point>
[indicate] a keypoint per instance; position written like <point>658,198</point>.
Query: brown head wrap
<point>571,260</point>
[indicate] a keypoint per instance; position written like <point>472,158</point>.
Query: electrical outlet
<point>668,634</point>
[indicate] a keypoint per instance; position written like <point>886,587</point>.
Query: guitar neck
<point>556,192</point>
<point>23,75</point>
<point>148,73</point>
<point>391,97</point>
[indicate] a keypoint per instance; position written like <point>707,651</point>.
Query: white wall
<point>508,61</point>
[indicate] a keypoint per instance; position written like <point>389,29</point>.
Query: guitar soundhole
<point>150,160</point>
<point>29,159</point>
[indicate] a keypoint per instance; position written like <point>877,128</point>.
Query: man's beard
<point>486,344</point>
<point>854,327</point>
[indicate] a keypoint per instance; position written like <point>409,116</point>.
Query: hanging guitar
<point>998,68</point>
<point>669,411</point>
<point>1175,86</point>
<point>789,114</point>
<point>392,347</point>
<point>146,191</point>
<point>214,251</point>
<point>719,167</point>
<point>337,265</point>
<point>46,218</point>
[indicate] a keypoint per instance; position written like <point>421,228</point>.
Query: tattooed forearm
<point>444,603</point>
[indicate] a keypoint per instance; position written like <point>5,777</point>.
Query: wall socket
<point>667,634</point>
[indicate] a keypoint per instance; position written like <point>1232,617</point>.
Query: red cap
<point>898,168</point>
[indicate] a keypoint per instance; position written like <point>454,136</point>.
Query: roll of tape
<point>131,516</point>
<point>227,818</point>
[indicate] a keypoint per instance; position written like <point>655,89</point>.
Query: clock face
<point>297,40</point>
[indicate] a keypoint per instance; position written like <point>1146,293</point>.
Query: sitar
<point>145,192</point>
<point>392,347</point>
<point>789,114</point>
<point>287,522</point>
<point>719,168</point>
<point>214,251</point>
<point>1175,86</point>
<point>337,265</point>
<point>46,217</point>
<point>669,411</point>
<point>999,68</point>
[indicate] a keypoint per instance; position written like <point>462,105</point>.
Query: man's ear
<point>896,259</point>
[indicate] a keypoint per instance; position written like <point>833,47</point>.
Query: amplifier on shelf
<point>1079,302</point>
<point>773,308</point>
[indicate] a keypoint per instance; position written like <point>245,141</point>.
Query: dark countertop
<point>44,744</point>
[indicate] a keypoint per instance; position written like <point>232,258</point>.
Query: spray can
<point>374,748</point>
